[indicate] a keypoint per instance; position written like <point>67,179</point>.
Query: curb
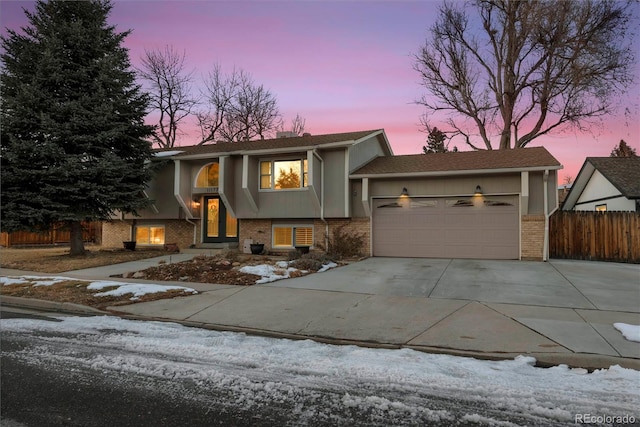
<point>587,361</point>
<point>62,307</point>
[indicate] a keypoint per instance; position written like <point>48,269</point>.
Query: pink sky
<point>342,65</point>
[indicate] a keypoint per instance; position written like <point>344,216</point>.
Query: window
<point>601,208</point>
<point>289,236</point>
<point>283,174</point>
<point>208,176</point>
<point>150,235</point>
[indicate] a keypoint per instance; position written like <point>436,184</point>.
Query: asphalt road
<point>56,379</point>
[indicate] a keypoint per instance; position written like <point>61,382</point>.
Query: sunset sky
<point>342,65</point>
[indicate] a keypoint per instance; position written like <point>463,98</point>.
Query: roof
<point>276,144</point>
<point>622,172</point>
<point>535,158</point>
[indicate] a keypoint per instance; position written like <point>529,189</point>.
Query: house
<point>295,191</point>
<point>606,184</point>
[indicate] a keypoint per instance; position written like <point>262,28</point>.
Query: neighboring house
<point>606,184</point>
<point>295,191</point>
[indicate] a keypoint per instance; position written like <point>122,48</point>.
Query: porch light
<point>478,190</point>
<point>196,202</point>
<point>404,193</point>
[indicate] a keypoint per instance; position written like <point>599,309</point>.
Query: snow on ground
<point>394,384</point>
<point>271,273</point>
<point>121,288</point>
<point>630,332</point>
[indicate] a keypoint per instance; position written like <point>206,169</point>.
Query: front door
<point>219,225</point>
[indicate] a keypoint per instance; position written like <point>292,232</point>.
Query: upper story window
<point>283,174</point>
<point>208,176</point>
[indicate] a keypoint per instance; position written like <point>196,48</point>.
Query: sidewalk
<point>459,307</point>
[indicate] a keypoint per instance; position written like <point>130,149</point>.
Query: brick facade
<point>259,230</point>
<point>176,231</point>
<point>115,232</point>
<point>532,236</point>
<point>256,230</point>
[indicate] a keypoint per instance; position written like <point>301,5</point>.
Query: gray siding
<point>335,183</point>
<point>160,191</point>
<point>446,186</point>
<point>362,153</point>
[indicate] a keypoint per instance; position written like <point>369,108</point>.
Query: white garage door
<point>452,227</point>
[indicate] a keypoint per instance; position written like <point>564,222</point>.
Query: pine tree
<point>73,133</point>
<point>623,150</point>
<point>436,142</point>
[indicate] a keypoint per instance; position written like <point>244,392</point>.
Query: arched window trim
<point>202,170</point>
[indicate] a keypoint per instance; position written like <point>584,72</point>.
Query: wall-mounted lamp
<point>478,190</point>
<point>196,202</point>
<point>404,192</point>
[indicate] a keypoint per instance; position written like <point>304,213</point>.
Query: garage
<point>482,227</point>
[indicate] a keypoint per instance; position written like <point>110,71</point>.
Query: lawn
<point>57,259</point>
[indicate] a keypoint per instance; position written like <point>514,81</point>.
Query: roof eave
<point>454,172</point>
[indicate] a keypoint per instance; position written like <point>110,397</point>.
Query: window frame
<point>304,178</point>
<point>292,235</point>
<point>149,227</point>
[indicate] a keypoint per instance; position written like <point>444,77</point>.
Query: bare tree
<point>528,68</point>
<point>237,108</point>
<point>170,92</point>
<point>297,127</point>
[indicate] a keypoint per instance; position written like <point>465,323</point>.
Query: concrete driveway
<point>558,283</point>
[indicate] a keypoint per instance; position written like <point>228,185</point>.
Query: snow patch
<point>630,332</point>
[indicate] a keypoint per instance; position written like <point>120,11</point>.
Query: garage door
<point>452,227</point>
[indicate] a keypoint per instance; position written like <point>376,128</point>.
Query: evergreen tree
<point>623,150</point>
<point>73,133</point>
<point>436,142</point>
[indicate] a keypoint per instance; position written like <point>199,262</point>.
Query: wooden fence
<point>596,236</point>
<point>58,234</point>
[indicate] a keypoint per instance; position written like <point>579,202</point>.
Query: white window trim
<point>293,237</point>
<point>301,159</point>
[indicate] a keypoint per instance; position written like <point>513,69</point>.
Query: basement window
<point>290,236</point>
<point>150,235</point>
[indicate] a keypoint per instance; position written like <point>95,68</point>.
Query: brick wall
<point>354,225</point>
<point>532,237</point>
<point>176,231</point>
<point>115,232</point>
<point>258,230</point>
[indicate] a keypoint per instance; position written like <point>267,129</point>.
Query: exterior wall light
<point>196,202</point>
<point>404,192</point>
<point>478,190</point>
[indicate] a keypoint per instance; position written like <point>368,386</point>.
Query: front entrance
<point>219,225</point>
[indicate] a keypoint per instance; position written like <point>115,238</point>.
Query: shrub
<point>311,261</point>
<point>345,243</point>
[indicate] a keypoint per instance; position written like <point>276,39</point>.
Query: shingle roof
<point>622,172</point>
<point>268,144</point>
<point>522,158</point>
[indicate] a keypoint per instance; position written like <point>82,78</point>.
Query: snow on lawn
<point>630,332</point>
<point>121,288</point>
<point>271,273</point>
<point>321,379</point>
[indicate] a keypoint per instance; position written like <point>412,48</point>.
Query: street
<point>99,371</point>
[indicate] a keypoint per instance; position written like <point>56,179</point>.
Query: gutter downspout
<point>195,230</point>
<point>545,198</point>
<point>326,224</point>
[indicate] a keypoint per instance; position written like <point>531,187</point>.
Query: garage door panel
<point>447,228</point>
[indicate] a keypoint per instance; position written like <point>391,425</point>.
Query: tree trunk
<point>77,242</point>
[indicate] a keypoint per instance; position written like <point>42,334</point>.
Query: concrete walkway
<point>559,311</point>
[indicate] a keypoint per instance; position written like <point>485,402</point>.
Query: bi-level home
<point>294,191</point>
